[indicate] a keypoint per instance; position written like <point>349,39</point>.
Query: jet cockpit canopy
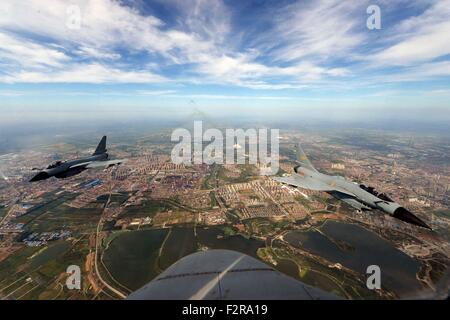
<point>372,190</point>
<point>54,165</point>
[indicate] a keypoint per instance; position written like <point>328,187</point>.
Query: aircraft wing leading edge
<point>305,183</point>
<point>311,184</point>
<point>105,164</point>
<point>99,164</point>
<point>349,200</point>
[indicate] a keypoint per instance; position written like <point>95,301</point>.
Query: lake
<point>356,248</point>
<point>131,258</point>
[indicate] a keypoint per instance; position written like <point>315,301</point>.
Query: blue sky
<point>224,53</point>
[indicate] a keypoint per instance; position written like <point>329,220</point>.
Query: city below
<point>125,225</point>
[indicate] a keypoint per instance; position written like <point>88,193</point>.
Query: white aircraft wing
<point>310,183</point>
<point>304,182</point>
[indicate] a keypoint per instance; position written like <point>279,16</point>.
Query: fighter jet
<point>65,169</point>
<point>359,196</point>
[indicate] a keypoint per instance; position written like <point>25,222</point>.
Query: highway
<point>99,225</point>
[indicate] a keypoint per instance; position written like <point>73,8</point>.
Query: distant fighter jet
<point>65,169</point>
<point>358,196</point>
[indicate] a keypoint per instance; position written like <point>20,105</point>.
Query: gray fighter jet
<point>65,169</point>
<point>359,196</point>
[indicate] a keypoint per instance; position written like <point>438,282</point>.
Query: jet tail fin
<point>101,148</point>
<point>302,159</point>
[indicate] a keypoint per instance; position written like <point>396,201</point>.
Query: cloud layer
<point>319,45</point>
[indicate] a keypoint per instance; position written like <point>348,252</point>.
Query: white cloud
<point>419,38</point>
<point>317,30</point>
<point>304,46</point>
<point>209,18</point>
<point>107,26</point>
<point>29,54</point>
<point>227,97</point>
<point>97,53</point>
<point>430,42</point>
<point>83,73</point>
<point>155,92</point>
<point>427,71</point>
<point>103,22</point>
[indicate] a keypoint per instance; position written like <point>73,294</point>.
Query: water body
<point>356,248</point>
<point>214,238</point>
<point>131,258</point>
<point>288,267</point>
<point>180,243</point>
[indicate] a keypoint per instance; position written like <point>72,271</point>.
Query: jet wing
<point>105,164</point>
<point>305,183</point>
<point>226,275</point>
<point>309,183</point>
<point>99,164</point>
<point>351,201</point>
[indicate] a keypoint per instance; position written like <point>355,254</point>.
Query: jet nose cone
<point>404,215</point>
<point>40,176</point>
